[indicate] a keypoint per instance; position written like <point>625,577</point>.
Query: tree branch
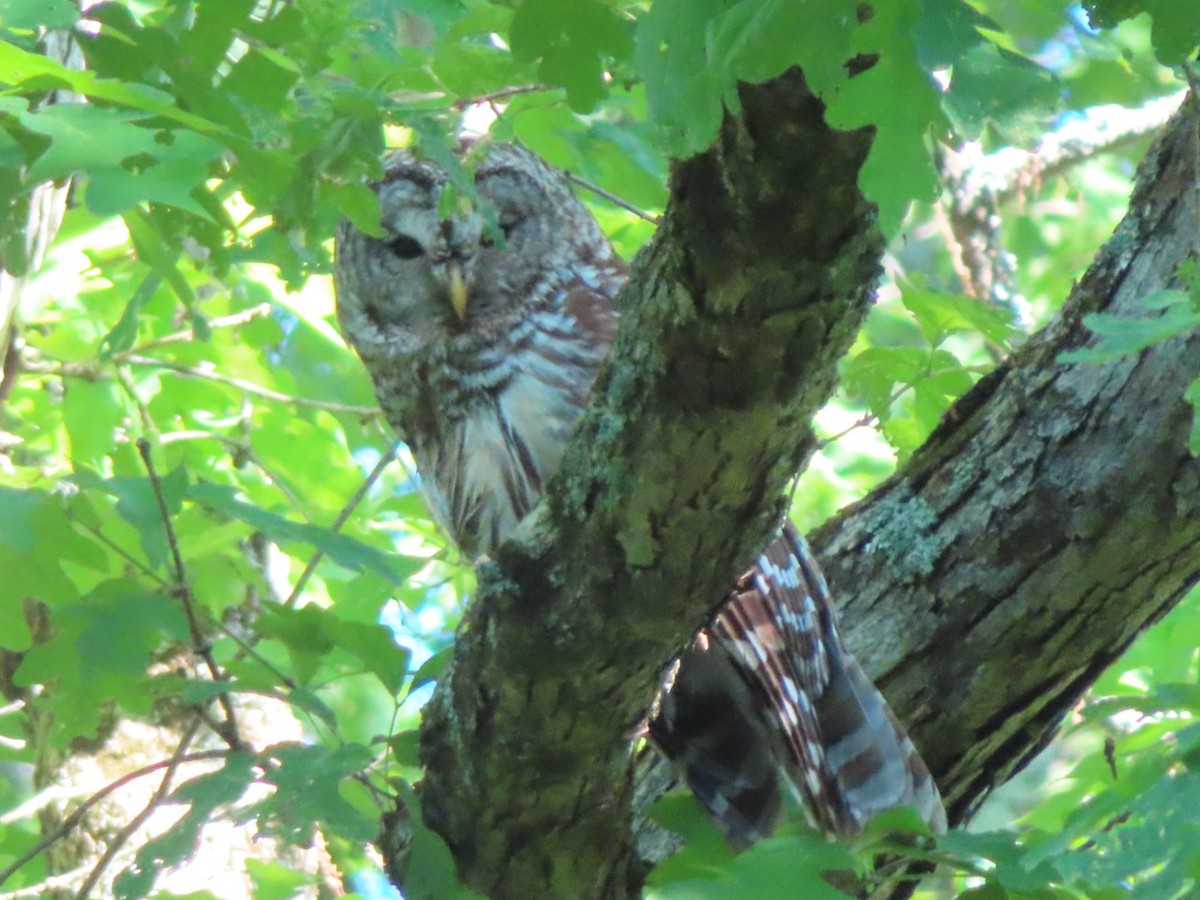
<point>977,185</point>
<point>1050,519</point>
<point>733,322</point>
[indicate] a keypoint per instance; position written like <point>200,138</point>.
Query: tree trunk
<point>1011,560</point>
<point>1049,520</point>
<point>732,326</point>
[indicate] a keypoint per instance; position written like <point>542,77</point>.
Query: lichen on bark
<point>1038,545</point>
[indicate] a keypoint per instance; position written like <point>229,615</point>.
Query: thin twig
<point>46,885</point>
<point>245,648</point>
<point>119,550</point>
<point>384,461</point>
<point>94,372</point>
<point>77,814</point>
<point>122,837</point>
<point>863,422</point>
<point>144,415</point>
<point>199,643</point>
<point>246,452</point>
<point>496,96</point>
<point>870,418</point>
<point>610,197</point>
<point>249,387</point>
<point>188,334</point>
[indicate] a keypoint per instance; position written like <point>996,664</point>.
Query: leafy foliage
<point>1173,312</point>
<point>255,550</point>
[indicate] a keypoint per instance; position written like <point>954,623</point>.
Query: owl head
<point>465,276</point>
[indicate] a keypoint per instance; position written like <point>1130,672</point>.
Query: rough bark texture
<point>1050,519</point>
<point>1047,522</point>
<point>753,288</point>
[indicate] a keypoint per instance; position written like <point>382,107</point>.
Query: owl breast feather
<point>491,462</point>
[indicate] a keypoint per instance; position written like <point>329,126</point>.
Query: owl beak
<point>458,290</point>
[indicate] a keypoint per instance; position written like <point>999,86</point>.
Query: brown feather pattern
<point>767,700</point>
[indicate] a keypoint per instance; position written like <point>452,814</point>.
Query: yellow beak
<point>458,290</point>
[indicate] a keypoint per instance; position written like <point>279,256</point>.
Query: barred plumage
<point>486,401</point>
<point>833,739</point>
<point>483,352</point>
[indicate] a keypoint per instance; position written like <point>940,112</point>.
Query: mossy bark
<point>1048,521</point>
<point>1052,517</point>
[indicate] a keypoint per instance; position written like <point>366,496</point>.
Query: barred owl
<point>483,332</point>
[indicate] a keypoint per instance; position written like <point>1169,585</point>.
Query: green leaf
<point>204,44</point>
<point>36,537</point>
<point>127,162</point>
<point>1162,697</point>
<point>571,39</point>
<point>1123,335</point>
<point>202,797</point>
<point>360,205</point>
<point>788,867</point>
<point>705,852</point>
<point>684,86</point>
<point>305,632</point>
<point>1010,870</point>
<point>431,670</point>
<point>994,86</point>
<point>896,96</point>
<point>1109,13</point>
<point>1131,851</point>
<point>16,512</point>
<point>124,333</point>
<point>21,66</point>
<point>946,30</point>
<point>138,504</point>
<point>941,315</point>
<point>472,69</point>
<point>1176,30</point>
<point>308,779</point>
<point>1176,24</point>
<point>310,703</point>
<point>343,550</point>
<point>173,174</point>
<point>54,15</point>
<point>93,411</point>
<point>155,252</point>
<point>264,77</point>
<point>85,138</point>
<point>405,747</point>
<point>431,873</point>
<point>871,376</point>
<point>1167,298</point>
<point>275,881</point>
<point>376,647</point>
<point>99,654</point>
<point>692,53</point>
<point>1192,395</point>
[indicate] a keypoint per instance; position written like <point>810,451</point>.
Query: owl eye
<point>405,247</point>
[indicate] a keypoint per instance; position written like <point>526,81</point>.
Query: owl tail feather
<point>768,699</point>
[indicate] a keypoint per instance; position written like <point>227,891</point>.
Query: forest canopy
<point>223,602</point>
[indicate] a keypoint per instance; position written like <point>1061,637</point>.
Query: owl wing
<point>770,696</point>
